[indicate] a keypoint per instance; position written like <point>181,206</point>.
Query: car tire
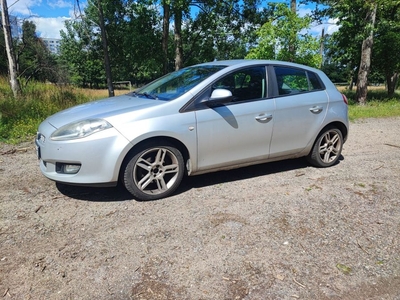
<point>327,148</point>
<point>155,171</point>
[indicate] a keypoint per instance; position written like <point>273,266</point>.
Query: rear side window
<point>315,83</point>
<point>294,81</point>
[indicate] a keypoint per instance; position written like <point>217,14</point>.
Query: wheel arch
<point>333,125</point>
<point>336,124</point>
<point>339,125</point>
<point>154,140</point>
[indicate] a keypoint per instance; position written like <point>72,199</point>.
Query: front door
<point>239,132</point>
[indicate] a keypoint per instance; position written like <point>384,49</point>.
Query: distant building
<point>52,44</point>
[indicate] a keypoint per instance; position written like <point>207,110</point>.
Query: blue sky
<point>50,15</point>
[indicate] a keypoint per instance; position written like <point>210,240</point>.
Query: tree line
<point>141,40</point>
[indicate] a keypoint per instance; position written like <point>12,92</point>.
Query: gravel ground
<point>282,230</point>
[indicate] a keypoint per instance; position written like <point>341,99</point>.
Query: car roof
<point>250,62</point>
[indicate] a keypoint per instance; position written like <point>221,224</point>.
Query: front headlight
<point>79,129</point>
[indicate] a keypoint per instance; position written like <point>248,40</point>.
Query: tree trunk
<point>165,36</point>
<point>365,63</point>
<point>293,5</point>
<point>322,47</point>
<point>105,50</point>
<point>178,39</point>
<point>292,46</point>
<point>351,82</point>
<point>391,81</point>
<point>12,64</point>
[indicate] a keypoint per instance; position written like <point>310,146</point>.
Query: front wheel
<point>154,172</point>
<point>327,148</point>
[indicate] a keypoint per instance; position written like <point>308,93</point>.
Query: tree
<point>35,61</point>
<point>133,32</point>
<point>366,53</point>
<point>165,34</point>
<point>80,54</point>
<point>283,33</point>
<point>364,23</point>
<point>97,17</point>
<point>12,65</point>
<point>384,59</point>
<point>179,8</point>
<point>221,29</point>
<point>104,40</point>
<point>292,45</point>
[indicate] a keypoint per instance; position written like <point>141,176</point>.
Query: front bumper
<point>100,156</point>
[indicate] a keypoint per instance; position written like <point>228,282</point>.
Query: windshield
<point>175,84</point>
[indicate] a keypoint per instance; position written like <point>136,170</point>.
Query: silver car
<point>204,118</point>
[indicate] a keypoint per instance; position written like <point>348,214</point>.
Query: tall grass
<point>20,118</point>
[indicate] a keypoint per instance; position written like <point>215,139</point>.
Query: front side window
<point>175,84</point>
<point>245,84</point>
<point>294,81</point>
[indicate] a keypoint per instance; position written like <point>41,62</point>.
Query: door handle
<point>263,118</point>
<point>316,109</point>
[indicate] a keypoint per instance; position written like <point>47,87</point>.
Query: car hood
<point>101,109</point>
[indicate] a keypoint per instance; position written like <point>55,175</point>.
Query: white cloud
<point>49,27</point>
<point>59,4</point>
<point>330,26</point>
<point>46,27</point>
<point>22,7</point>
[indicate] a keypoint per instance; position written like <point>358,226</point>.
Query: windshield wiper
<point>147,95</point>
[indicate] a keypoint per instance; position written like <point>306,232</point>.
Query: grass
<point>378,104</point>
<point>20,118</point>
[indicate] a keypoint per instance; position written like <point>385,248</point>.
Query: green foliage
<point>344,46</point>
<point>81,54</point>
<point>385,61</point>
<point>34,60</point>
<point>134,44</point>
<point>337,73</point>
<point>218,30</point>
<point>284,30</point>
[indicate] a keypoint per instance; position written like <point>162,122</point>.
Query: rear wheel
<point>154,172</point>
<point>327,148</point>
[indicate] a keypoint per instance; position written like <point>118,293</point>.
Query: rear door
<point>301,106</point>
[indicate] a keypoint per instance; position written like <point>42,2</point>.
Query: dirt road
<point>282,230</point>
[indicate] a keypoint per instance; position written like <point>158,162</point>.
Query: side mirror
<point>219,96</point>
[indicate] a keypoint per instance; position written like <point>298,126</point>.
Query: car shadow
<point>95,194</point>
<point>119,193</point>
<point>219,177</point>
